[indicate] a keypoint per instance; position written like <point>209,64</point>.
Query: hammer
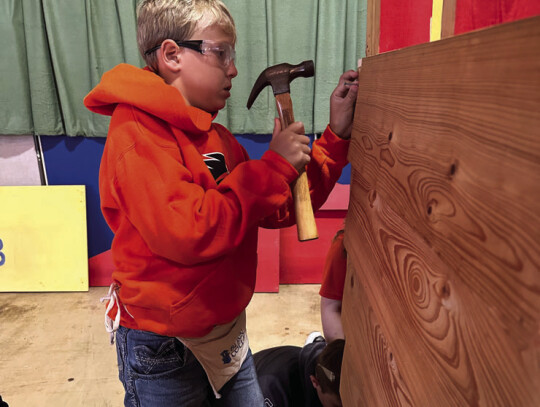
<point>279,77</point>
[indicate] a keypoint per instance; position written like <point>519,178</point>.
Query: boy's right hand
<point>291,143</point>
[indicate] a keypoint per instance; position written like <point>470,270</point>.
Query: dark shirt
<point>284,373</point>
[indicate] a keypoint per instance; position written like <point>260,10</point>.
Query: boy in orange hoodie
<point>185,202</point>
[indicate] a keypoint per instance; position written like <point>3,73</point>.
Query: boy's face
<point>204,80</point>
<point>327,399</point>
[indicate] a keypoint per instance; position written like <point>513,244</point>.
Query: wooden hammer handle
<point>305,220</point>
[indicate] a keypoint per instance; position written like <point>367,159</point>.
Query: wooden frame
<point>448,18</point>
<point>373,27</point>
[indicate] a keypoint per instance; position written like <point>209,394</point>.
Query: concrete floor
<point>54,350</point>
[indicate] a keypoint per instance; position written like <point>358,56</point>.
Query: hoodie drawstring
<point>112,296</point>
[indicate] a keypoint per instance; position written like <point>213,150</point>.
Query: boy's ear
<point>170,55</point>
<point>314,381</point>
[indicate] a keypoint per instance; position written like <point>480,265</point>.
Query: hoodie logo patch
<point>217,166</point>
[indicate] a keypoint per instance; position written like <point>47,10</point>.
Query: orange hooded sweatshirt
<point>185,202</point>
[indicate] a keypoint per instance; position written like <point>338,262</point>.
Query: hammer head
<point>279,77</point>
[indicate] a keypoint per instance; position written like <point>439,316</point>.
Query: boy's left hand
<point>342,104</point>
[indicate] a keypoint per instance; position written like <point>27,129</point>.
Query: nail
<point>350,83</point>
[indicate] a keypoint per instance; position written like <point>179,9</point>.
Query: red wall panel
<point>404,23</point>
<point>474,14</point>
<point>302,262</point>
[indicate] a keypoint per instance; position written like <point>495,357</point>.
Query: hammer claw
<point>260,84</point>
<point>279,77</point>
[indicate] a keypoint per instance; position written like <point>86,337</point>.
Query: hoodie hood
<point>147,91</point>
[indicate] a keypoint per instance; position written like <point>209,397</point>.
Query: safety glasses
<point>222,51</point>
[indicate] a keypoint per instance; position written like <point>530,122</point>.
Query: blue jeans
<point>159,371</point>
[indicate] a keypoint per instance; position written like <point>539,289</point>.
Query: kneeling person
<point>298,377</point>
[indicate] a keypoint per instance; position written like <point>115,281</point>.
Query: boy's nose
<point>231,70</point>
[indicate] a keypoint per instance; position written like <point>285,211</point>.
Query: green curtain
<point>55,51</point>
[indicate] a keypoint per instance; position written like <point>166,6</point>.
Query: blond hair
<point>158,20</point>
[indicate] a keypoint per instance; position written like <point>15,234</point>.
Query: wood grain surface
<point>442,296</point>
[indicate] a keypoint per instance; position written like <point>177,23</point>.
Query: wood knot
<point>445,290</point>
<point>386,156</point>
<point>372,196</point>
<point>367,143</point>
<point>392,361</point>
<point>453,169</point>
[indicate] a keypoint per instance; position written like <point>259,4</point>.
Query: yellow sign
<point>436,20</point>
<point>43,245</point>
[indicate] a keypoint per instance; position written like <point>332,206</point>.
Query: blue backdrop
<point>75,161</point>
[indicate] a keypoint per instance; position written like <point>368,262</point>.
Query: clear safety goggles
<point>223,51</point>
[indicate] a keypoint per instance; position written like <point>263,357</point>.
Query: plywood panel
<point>443,228</point>
<point>370,350</point>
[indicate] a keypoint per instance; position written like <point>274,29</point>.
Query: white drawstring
<point>112,296</point>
